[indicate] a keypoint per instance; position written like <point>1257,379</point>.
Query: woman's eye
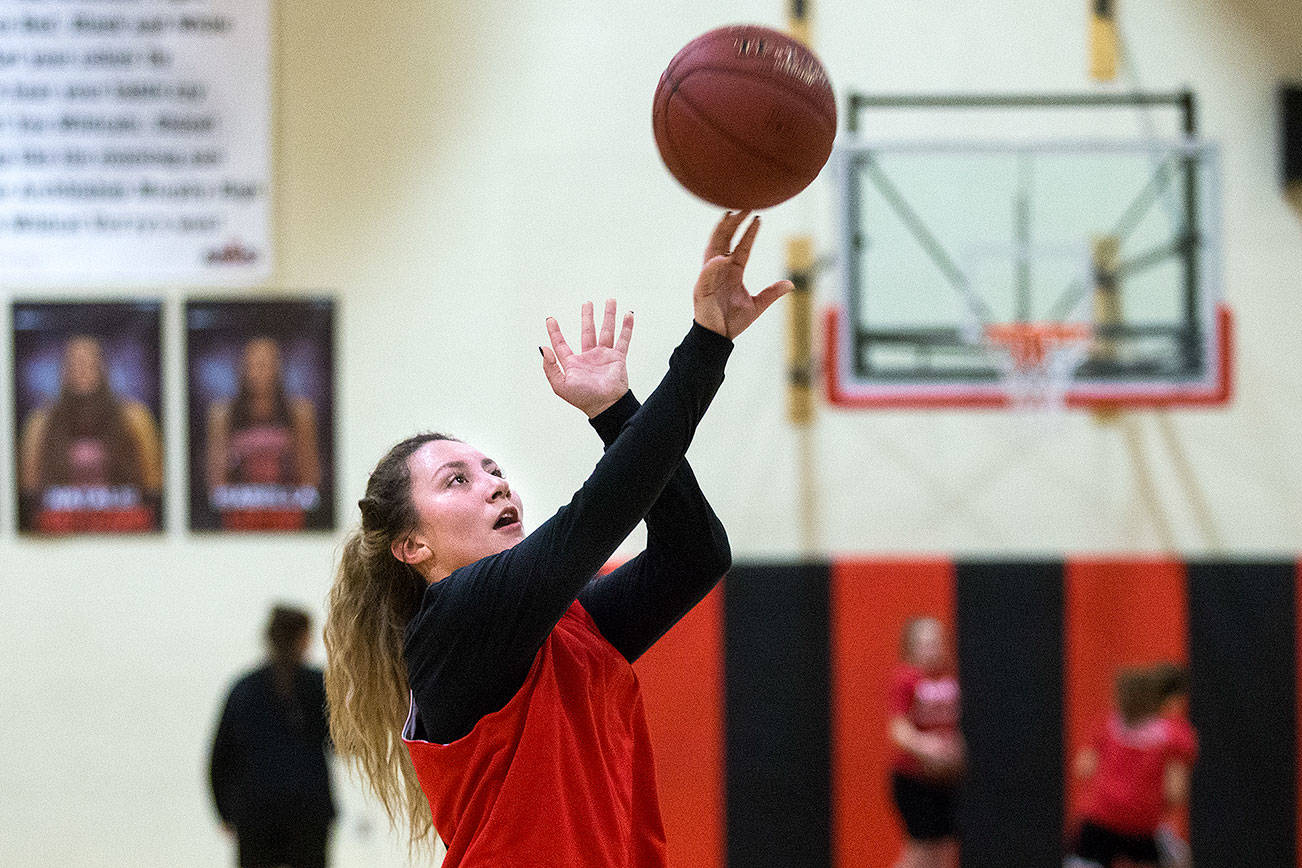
<point>497,471</point>
<point>460,477</point>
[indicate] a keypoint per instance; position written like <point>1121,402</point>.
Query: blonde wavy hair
<point>373,597</point>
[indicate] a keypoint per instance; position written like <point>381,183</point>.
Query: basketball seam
<point>802,95</point>
<point>740,143</point>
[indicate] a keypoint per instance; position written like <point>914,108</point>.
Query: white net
<point>1037,361</point>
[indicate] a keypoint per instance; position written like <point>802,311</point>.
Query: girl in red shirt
<point>480,677</point>
<point>929,755</point>
<point>1138,769</point>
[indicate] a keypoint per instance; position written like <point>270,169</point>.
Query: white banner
<point>134,142</point>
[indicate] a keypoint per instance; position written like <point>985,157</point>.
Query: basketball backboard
<point>963,218</point>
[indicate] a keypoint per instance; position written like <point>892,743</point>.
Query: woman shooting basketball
<point>525,739</point>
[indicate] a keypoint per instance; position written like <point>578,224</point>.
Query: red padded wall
<point>682,688</point>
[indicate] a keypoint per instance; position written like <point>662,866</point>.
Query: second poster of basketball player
<point>261,389</point>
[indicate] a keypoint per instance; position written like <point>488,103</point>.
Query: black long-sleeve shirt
<point>268,768</point>
<point>469,648</point>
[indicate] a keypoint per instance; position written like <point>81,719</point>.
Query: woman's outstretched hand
<point>720,301</point>
<point>596,376</point>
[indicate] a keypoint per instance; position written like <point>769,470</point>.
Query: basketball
<point>744,117</point>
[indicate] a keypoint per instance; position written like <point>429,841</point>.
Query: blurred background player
<point>1137,771</point>
<point>269,773</point>
<point>930,754</point>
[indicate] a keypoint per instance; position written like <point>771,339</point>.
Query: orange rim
<point>1028,343</point>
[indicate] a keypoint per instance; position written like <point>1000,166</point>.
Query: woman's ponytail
<point>373,598</point>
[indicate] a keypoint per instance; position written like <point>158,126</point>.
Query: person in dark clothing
<point>269,774</point>
<point>479,676</point>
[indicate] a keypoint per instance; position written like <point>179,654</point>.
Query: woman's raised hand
<point>720,301</point>
<point>596,376</point>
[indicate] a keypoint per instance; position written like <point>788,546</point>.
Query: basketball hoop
<point>1037,360</point>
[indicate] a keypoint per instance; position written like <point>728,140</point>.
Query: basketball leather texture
<point>744,117</point>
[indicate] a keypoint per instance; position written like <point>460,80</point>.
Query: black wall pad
<point>1010,619</point>
<point>1243,808</point>
<point>778,754</point>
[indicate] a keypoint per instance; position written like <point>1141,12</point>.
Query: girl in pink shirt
<point>929,755</point>
<point>1137,768</point>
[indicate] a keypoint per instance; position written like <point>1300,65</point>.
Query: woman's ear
<point>410,550</point>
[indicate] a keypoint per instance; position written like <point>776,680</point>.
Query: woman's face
<point>465,509</point>
<point>261,365</point>
<point>83,366</point>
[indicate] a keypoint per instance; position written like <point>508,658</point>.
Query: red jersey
<point>929,702</point>
<point>1125,795</point>
<point>560,776</point>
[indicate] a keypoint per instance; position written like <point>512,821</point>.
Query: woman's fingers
<point>562,349</point>
<point>552,370</point>
<point>741,254</point>
<point>625,335</point>
<point>608,324</point>
<point>588,332</point>
<point>588,338</point>
<point>771,294</point>
<point>721,239</point>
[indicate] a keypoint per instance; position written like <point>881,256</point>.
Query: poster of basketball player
<point>261,403</point>
<point>86,410</point>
